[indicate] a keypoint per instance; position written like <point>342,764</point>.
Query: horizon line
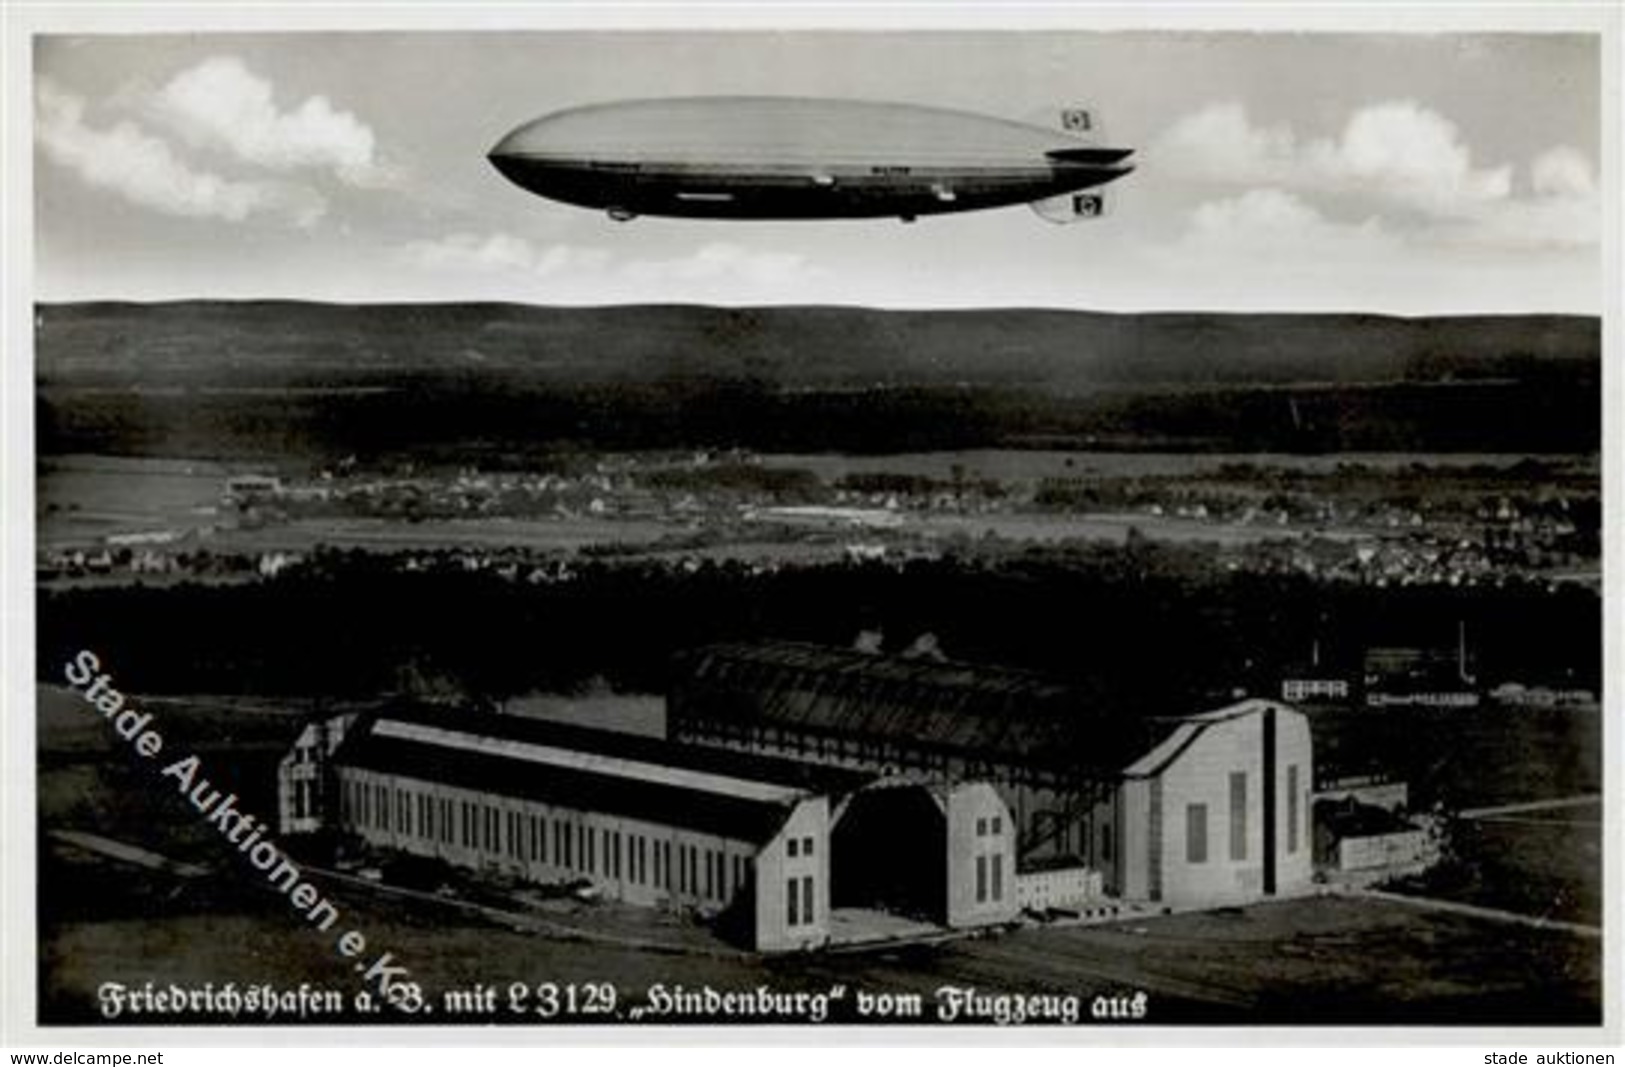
<point>39,302</point>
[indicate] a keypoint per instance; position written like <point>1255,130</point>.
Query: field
<point>88,780</point>
<point>1467,758</point>
<point>1029,466</point>
<point>83,499</point>
<point>1108,528</point>
<point>556,535</point>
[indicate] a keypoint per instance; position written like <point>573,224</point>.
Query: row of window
<point>1196,850</point>
<point>557,842</point>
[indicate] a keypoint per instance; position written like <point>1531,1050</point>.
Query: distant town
<point>1531,520</point>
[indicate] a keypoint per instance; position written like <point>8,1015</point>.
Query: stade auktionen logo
<point>249,835</point>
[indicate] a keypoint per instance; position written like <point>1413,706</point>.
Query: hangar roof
<point>735,795</point>
<point>981,711</point>
<point>1186,729</point>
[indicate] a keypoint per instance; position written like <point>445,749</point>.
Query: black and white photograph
<point>1014,523</point>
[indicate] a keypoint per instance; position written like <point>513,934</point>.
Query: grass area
<point>1470,757</point>
<point>1547,865</point>
<point>91,780</point>
<point>84,498</point>
<point>549,534</point>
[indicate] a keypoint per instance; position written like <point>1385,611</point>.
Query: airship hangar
<point>803,792</point>
<point>799,158</point>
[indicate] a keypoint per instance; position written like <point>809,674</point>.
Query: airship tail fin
<point>1072,207</point>
<point>1090,157</point>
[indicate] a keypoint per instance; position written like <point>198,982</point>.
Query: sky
<point>1395,173</point>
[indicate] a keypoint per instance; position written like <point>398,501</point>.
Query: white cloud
<point>1268,212</point>
<point>145,170</point>
<point>221,102</point>
<point>1273,223</point>
<point>591,273</point>
<point>1564,212</point>
<point>500,253</point>
<point>1412,154</point>
<point>1271,249</point>
<point>721,260</point>
<point>1398,151</point>
<point>1404,160</point>
<point>1553,222</point>
<point>1563,172</point>
<point>1220,143</point>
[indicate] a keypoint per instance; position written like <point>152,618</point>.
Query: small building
<point>1373,790</point>
<point>825,517</point>
<point>1058,885</point>
<point>1319,680</point>
<point>1315,690</point>
<point>1419,678</point>
<point>247,489</point>
<point>1361,842</point>
<point>1518,695</point>
<point>764,846</point>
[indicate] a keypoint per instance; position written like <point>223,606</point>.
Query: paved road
<point>1531,805</point>
<point>125,853</point>
<point>1493,914</point>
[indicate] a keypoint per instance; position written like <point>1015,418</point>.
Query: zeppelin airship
<point>796,158</point>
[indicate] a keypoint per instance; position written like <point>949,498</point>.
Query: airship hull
<point>784,158</point>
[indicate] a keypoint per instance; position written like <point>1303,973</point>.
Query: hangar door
<point>889,852</point>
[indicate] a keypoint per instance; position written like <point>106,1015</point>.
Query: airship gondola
<point>797,158</point>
